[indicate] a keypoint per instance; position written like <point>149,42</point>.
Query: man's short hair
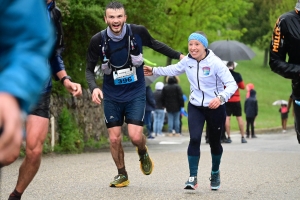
<point>114,5</point>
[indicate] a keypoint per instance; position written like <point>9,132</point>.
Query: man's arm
<point>91,61</point>
<point>26,39</point>
<point>278,51</point>
<point>156,45</point>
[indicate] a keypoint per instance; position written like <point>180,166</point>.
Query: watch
<point>222,99</point>
<point>64,78</point>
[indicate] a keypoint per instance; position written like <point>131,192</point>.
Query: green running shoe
<point>119,181</point>
<point>146,164</point>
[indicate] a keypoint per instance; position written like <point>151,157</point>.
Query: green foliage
<point>47,144</point>
<point>70,138</point>
<point>126,138</point>
<point>93,144</point>
<point>81,20</point>
<point>261,19</point>
<point>217,19</point>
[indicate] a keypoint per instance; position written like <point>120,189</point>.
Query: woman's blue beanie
<point>200,38</point>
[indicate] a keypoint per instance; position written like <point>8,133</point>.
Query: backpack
<point>132,45</point>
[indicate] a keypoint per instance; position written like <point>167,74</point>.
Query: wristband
<point>64,78</point>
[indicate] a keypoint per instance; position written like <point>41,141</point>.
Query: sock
<point>142,151</point>
<point>16,194</point>
<point>216,160</point>
<point>122,171</point>
<point>193,165</point>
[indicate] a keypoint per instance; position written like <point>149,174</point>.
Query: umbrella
<point>225,62</point>
<point>150,79</point>
<point>231,50</point>
<point>279,102</point>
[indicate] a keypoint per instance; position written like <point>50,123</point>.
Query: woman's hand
<point>214,103</point>
<point>148,71</point>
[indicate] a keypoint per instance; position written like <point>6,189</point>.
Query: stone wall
<point>88,115</point>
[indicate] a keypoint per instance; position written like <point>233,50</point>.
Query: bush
<point>70,136</point>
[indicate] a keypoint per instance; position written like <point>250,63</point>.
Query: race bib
<point>125,76</point>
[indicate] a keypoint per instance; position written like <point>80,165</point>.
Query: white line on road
<point>165,142</point>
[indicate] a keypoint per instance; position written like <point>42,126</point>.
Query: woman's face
<point>196,49</point>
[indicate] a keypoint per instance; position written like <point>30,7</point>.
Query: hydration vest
<point>131,45</point>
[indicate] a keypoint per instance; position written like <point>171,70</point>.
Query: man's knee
<point>9,157</point>
<point>34,152</point>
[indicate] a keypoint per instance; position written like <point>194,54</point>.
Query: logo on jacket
<point>206,71</point>
<point>276,36</point>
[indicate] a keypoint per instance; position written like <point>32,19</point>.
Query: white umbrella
<point>150,79</point>
<point>279,102</point>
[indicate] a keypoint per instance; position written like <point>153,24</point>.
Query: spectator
<point>159,112</point>
<point>284,111</point>
<point>233,106</point>
<point>150,106</point>
<point>251,111</point>
<point>172,98</point>
<point>249,87</point>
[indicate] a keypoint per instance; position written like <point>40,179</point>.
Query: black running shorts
<point>233,108</point>
<point>42,108</point>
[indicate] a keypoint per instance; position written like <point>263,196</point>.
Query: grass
<point>268,85</point>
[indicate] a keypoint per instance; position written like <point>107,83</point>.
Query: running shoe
<point>120,181</point>
<point>215,181</point>
<point>191,183</point>
<point>244,140</point>
<point>146,163</point>
<point>228,140</point>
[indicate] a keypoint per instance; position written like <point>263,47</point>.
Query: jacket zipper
<point>198,81</point>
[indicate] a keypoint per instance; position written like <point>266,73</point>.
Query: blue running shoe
<point>191,183</point>
<point>215,181</point>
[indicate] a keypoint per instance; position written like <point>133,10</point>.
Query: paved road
<point>264,168</point>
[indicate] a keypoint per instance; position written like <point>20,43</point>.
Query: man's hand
<point>73,88</point>
<point>97,96</point>
<point>11,122</point>
<point>181,56</point>
<point>148,70</point>
<point>214,103</point>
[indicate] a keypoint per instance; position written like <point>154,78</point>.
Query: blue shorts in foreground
<point>132,111</point>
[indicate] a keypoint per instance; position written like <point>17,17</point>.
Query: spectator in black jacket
<point>173,101</point>
<point>150,106</point>
<point>251,111</point>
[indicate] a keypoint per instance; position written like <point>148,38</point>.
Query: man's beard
<point>113,29</point>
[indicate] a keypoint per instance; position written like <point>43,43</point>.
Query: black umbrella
<point>231,50</point>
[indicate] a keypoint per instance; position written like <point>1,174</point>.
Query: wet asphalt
<point>266,167</point>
